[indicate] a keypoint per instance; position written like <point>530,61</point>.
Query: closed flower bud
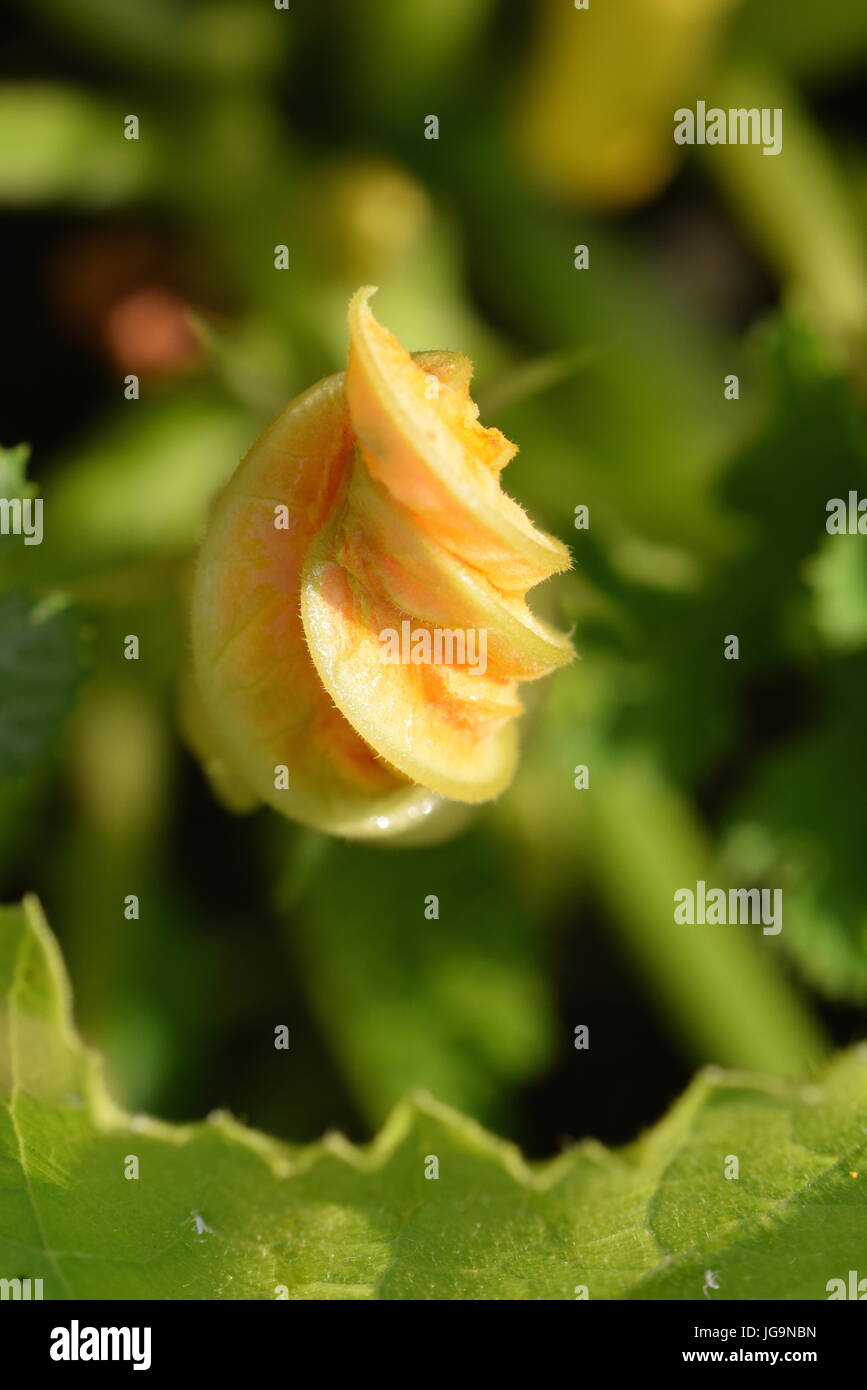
<point>358,610</point>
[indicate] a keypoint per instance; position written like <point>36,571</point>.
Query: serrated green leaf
<point>41,665</point>
<point>221,1212</point>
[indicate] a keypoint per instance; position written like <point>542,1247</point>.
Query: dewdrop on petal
<point>371,505</point>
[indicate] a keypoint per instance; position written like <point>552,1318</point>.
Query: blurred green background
<point>155,257</point>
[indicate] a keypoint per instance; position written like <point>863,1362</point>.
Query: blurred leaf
<point>221,40</point>
<point>838,578</point>
<point>403,57</point>
<point>811,447</point>
<point>21,803</point>
<point>799,823</point>
<point>812,41</point>
<point>42,663</point>
<point>220,1211</point>
<point>143,485</point>
<point>460,1005</point>
<point>13,468</point>
<point>252,361</point>
<point>643,428</point>
<point>13,483</point>
<point>791,818</point>
<point>532,379</point>
<point>74,151</point>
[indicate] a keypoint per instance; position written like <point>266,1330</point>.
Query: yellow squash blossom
<point>371,506</point>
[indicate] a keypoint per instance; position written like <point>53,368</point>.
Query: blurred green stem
<point>722,991</point>
<point>796,205</point>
